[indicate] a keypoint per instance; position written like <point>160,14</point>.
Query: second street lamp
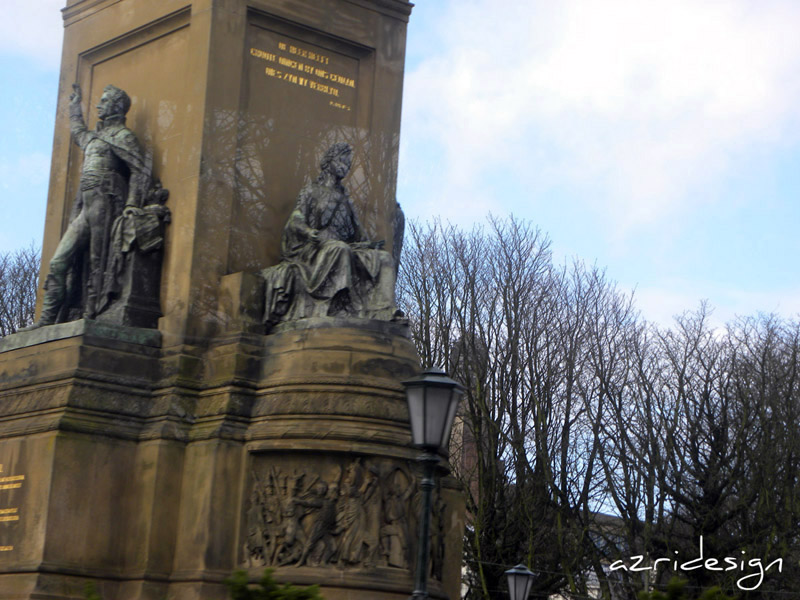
<point>520,581</point>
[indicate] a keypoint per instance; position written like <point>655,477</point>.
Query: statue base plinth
<point>155,473</point>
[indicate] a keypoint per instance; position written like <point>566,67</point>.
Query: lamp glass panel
<point>520,581</point>
<point>516,586</point>
<point>455,398</point>
<point>528,586</point>
<point>438,399</point>
<point>416,412</point>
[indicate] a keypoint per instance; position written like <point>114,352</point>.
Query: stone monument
<point>223,392</point>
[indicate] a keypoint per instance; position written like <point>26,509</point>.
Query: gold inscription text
<point>12,478</point>
<point>286,66</point>
<point>261,54</point>
<point>6,548</point>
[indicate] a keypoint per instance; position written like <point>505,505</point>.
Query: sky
<point>659,140</point>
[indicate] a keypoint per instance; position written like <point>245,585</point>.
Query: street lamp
<point>520,581</point>
<point>432,402</point>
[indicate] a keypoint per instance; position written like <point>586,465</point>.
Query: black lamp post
<point>520,581</point>
<point>432,402</point>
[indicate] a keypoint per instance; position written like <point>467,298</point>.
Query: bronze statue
<point>118,202</point>
<point>329,266</point>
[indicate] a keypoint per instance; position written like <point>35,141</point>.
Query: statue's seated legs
<point>332,271</point>
<point>341,281</point>
<point>286,298</point>
<point>378,290</point>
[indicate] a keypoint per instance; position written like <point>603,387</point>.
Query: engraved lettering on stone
<point>9,514</point>
<point>306,73</point>
<point>12,478</point>
<point>12,482</point>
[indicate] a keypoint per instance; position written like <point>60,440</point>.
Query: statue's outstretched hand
<point>75,97</point>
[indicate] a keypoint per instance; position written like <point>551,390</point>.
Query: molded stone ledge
<point>389,328</point>
<point>81,351</point>
<point>85,327</point>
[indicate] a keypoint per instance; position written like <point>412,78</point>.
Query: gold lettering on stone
<point>290,63</point>
<point>6,518</point>
<point>261,54</point>
<point>12,482</point>
<point>12,478</point>
<point>6,548</point>
<point>8,511</point>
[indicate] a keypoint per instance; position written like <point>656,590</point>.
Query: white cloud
<point>33,28</point>
<point>642,101</point>
<point>661,304</point>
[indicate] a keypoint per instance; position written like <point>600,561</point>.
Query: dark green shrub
<point>267,589</point>
<point>676,590</point>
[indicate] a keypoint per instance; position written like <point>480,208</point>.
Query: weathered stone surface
<point>129,454</point>
<point>142,337</point>
<point>233,142</point>
<point>157,471</point>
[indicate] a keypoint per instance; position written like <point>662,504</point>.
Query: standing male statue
<point>114,177</point>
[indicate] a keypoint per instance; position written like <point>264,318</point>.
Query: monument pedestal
<point>154,462</point>
<point>290,451</point>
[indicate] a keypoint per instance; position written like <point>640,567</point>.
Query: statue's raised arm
<point>77,126</point>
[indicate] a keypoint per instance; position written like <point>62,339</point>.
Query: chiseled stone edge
<point>374,325</point>
<point>48,333</point>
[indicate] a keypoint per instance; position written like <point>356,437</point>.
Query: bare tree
<point>491,307</point>
<point>19,277</point>
<point>576,407</point>
<point>704,443</point>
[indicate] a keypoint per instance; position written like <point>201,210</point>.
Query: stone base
<point>156,471</point>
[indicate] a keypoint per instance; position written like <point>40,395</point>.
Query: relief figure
<point>323,524</point>
<point>358,542</point>
<point>355,518</point>
<point>394,531</point>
